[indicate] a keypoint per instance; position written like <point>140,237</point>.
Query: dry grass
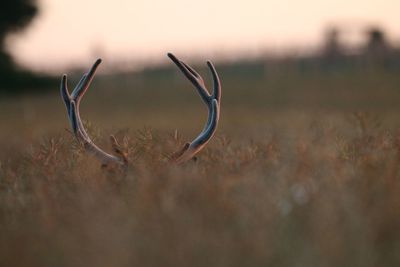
<point>274,188</point>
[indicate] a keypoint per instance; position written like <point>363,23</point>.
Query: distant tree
<point>14,16</point>
<point>377,45</point>
<point>332,46</point>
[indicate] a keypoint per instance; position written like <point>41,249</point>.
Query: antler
<point>189,150</point>
<point>72,103</point>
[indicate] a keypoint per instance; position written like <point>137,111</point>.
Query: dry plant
<point>328,198</point>
<point>282,183</point>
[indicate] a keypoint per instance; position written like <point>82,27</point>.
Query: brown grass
<point>276,187</point>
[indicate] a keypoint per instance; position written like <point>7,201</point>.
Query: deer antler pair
<point>72,103</point>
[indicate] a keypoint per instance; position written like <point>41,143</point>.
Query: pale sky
<point>72,32</point>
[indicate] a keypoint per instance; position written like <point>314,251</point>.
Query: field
<point>304,171</point>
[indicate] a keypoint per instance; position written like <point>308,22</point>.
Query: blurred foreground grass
<point>304,171</point>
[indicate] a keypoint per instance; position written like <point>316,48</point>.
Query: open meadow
<point>304,170</point>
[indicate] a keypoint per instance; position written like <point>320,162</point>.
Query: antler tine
<point>72,102</point>
<point>85,82</point>
<point>217,82</point>
<point>65,93</point>
<point>193,77</point>
<point>213,105</point>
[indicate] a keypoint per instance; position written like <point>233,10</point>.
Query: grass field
<point>304,171</point>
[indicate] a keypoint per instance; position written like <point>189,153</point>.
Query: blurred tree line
<point>15,15</point>
<point>376,51</point>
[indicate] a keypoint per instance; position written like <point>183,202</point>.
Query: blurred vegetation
<point>15,15</point>
<point>314,190</point>
<point>303,171</point>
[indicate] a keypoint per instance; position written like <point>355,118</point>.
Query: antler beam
<point>72,103</point>
<point>212,102</point>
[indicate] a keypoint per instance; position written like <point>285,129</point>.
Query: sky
<point>74,32</point>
